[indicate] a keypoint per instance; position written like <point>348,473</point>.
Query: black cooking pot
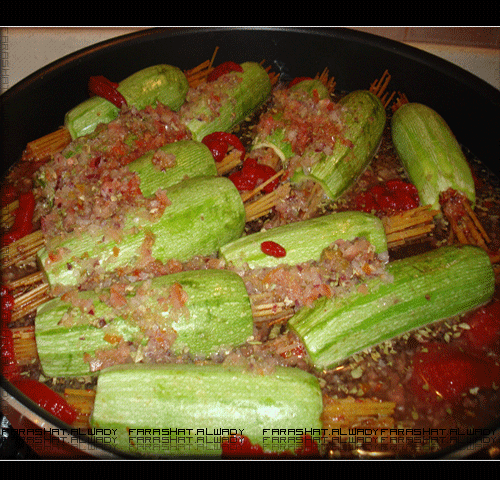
<point>36,107</point>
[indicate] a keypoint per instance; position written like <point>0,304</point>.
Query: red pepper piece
<point>107,89</point>
<point>11,371</point>
<point>266,173</point>
<point>219,142</point>
<point>23,221</point>
<point>388,198</point>
<point>405,194</point>
<point>273,249</point>
<point>298,80</point>
<point>484,325</point>
<point>252,171</point>
<point>253,174</point>
<point>7,304</point>
<point>399,185</point>
<point>9,366</point>
<point>242,182</point>
<point>47,399</point>
<point>8,194</point>
<point>365,202</point>
<point>222,69</point>
<point>388,203</point>
<point>444,372</point>
<point>218,148</point>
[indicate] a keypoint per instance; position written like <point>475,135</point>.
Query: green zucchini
<point>215,315</point>
<point>189,409</point>
<point>202,116</point>
<point>277,139</point>
<point>159,83</point>
<point>364,120</point>
<point>425,288</point>
<point>430,153</point>
<point>192,159</point>
<point>304,241</point>
<point>311,85</point>
<point>189,159</point>
<point>204,214</point>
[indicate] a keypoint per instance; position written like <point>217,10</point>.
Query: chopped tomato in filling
<point>309,123</point>
<point>89,183</point>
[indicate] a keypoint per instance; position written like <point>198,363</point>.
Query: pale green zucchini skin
<point>192,159</point>
<point>205,213</point>
<point>217,316</point>
<point>426,288</point>
<point>304,241</point>
<point>364,118</point>
<point>309,86</point>
<point>186,409</point>
<point>430,153</point>
<point>277,139</point>
<point>253,89</point>
<point>159,83</point>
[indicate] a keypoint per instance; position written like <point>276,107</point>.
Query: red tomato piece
<point>222,69</point>
<point>7,304</point>
<point>297,80</point>
<point>47,399</point>
<point>252,175</point>
<point>101,86</point>
<point>365,202</point>
<point>8,194</point>
<point>266,173</point>
<point>258,173</point>
<point>387,203</point>
<point>388,198</point>
<point>444,372</point>
<point>219,142</point>
<point>273,249</point>
<point>23,219</point>
<point>399,185</point>
<point>218,149</point>
<point>484,325</point>
<point>9,365</point>
<point>242,182</point>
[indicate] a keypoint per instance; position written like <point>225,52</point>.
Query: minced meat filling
<point>88,183</point>
<point>311,126</point>
<point>204,102</point>
<point>343,266</point>
<point>152,313</point>
<point>309,123</point>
